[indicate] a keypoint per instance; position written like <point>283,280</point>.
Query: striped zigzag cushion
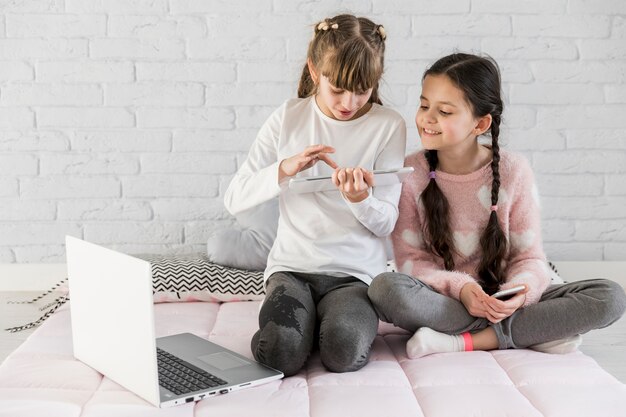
<point>195,278</point>
<point>174,279</point>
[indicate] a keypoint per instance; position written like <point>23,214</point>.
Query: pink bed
<point>41,378</point>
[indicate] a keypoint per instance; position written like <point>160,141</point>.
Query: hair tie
<point>494,208</point>
<point>323,25</point>
<point>382,32</point>
<point>432,175</point>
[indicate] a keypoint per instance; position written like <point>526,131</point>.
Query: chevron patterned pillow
<point>175,279</point>
<point>195,278</point>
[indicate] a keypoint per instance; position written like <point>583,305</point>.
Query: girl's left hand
<point>499,310</point>
<point>354,183</point>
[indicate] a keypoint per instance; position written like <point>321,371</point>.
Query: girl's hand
<point>353,183</point>
<point>498,310</point>
<point>473,298</point>
<point>305,160</point>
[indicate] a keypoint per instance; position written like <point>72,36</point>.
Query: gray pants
<point>300,309</point>
<point>564,310</point>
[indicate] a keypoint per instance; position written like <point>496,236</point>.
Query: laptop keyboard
<point>181,377</point>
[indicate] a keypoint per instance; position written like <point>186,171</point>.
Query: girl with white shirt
<point>329,245</point>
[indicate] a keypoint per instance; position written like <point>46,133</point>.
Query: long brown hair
<point>479,80</point>
<point>349,51</point>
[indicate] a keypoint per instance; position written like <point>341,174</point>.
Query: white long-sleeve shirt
<point>322,232</point>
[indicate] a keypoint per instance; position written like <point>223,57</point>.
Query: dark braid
<point>437,233</point>
<point>493,241</point>
<point>479,80</point>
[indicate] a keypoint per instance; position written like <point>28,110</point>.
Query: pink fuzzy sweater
<point>469,197</point>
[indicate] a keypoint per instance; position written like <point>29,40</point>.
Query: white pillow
<point>247,246</point>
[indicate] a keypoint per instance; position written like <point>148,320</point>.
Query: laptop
<point>113,332</point>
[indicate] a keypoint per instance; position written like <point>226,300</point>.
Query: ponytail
<point>306,87</point>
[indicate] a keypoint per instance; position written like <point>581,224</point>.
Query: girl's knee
<point>605,299</point>
<point>615,300</point>
<point>345,348</point>
<point>344,361</point>
<point>392,294</point>
<point>379,286</point>
<point>281,348</point>
<point>385,285</point>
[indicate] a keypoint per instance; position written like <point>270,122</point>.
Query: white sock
<point>561,346</point>
<point>427,341</point>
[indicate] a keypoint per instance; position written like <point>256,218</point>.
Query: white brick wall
<point>122,121</point>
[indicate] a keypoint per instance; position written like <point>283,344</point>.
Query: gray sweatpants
<point>301,309</point>
<point>564,310</point>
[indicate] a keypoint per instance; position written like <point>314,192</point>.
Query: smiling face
<point>444,119</point>
<point>340,104</point>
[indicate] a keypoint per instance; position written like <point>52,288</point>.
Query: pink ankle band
<point>469,343</point>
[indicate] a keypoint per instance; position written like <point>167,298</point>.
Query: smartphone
<point>509,292</point>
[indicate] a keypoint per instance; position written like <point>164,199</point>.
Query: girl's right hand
<point>305,160</point>
<point>474,299</point>
<point>501,309</point>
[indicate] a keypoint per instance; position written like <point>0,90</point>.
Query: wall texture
<point>122,121</point>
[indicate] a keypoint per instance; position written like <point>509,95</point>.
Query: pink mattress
<point>41,378</point>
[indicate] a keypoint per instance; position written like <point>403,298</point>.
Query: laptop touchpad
<point>223,360</point>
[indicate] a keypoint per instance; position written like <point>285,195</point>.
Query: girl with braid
<point>329,245</point>
<point>469,226</point>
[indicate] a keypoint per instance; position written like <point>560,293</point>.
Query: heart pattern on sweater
<point>523,240</point>
<point>535,193</point>
<point>466,243</point>
<point>521,277</point>
<point>407,268</point>
<point>484,196</point>
<point>412,238</point>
